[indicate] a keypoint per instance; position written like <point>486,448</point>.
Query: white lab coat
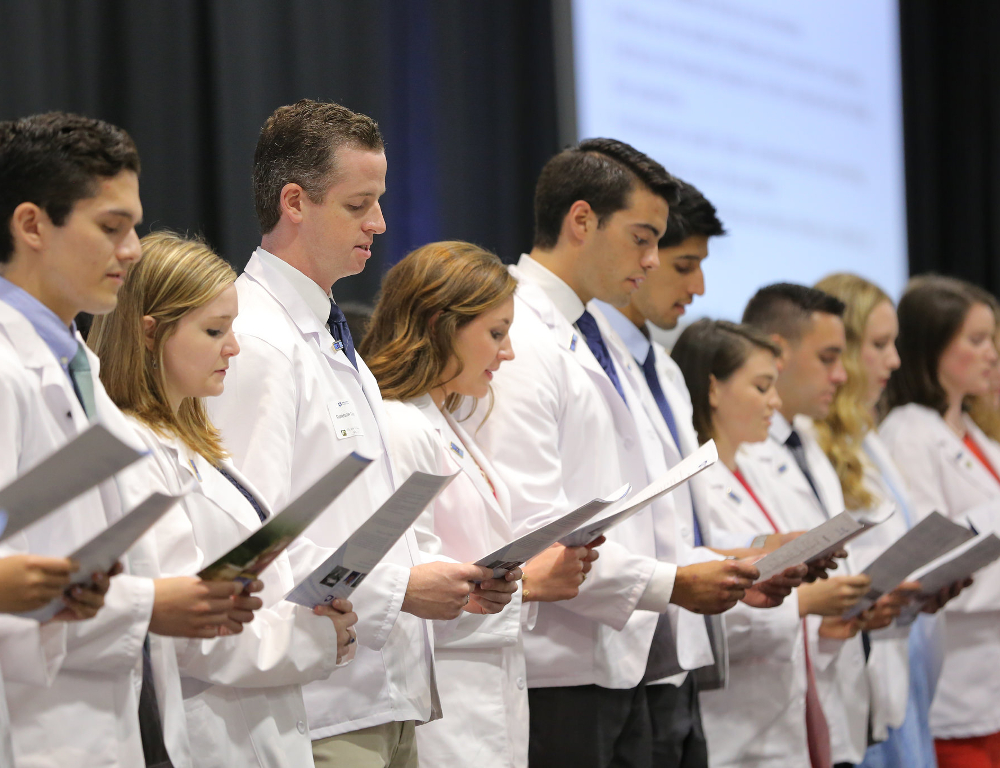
<point>279,419</point>
<point>759,719</point>
<point>243,693</point>
<point>560,435</point>
<point>480,659</point>
<point>944,476</point>
<point>89,715</point>
<point>674,522</point>
<point>839,666</point>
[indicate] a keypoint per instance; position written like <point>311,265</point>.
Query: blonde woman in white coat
<point>167,345</point>
<point>446,309</point>
<point>947,353</point>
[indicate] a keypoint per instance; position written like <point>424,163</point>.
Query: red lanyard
<point>974,447</point>
<point>739,476</point>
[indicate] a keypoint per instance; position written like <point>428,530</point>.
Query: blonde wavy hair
<point>175,275</point>
<point>426,299</point>
<point>841,433</point>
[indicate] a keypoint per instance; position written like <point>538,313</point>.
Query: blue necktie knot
<point>341,332</point>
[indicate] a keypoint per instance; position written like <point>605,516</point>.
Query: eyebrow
<point>650,227</point>
<point>125,215</point>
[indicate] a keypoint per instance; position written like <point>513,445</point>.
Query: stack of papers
<point>341,573</point>
<point>956,565</point>
<point>816,544</point>
<point>248,559</point>
<point>932,537</point>
<point>90,458</point>
<point>697,462</point>
<point>100,553</point>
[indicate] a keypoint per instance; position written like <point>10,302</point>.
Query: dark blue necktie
<point>794,443</point>
<point>588,327</point>
<point>649,371</point>
<point>342,333</point>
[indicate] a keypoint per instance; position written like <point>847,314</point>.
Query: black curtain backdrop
<point>464,93</point>
<point>951,115</point>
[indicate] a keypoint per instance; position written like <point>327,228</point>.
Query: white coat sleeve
<point>285,644</point>
<point>521,437</point>
<point>31,653</point>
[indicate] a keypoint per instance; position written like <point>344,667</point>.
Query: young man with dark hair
<point>298,399</point>
<point>567,426</point>
<point>678,736</point>
<point>791,469</point>
<point>69,198</point>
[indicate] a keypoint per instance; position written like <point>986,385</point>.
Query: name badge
<point>345,418</point>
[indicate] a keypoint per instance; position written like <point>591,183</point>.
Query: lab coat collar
<point>263,271</point>
<point>780,428</point>
<point>312,295</point>
<point>200,473</point>
<point>468,458</point>
<point>561,295</point>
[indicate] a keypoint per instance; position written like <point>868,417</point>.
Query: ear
<point>27,225</point>
<point>713,392</point>
<point>148,331</point>
<point>786,350</point>
<point>290,201</point>
<point>432,323</point>
<point>580,222</point>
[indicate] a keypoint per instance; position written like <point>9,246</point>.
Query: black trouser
<point>586,726</point>
<point>675,719</point>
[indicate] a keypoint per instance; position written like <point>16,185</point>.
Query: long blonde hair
<point>841,433</point>
<point>175,275</point>
<point>426,299</point>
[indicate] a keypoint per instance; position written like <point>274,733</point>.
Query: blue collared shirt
<point>637,342</point>
<point>60,339</point>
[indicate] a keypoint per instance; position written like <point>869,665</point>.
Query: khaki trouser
<point>391,745</point>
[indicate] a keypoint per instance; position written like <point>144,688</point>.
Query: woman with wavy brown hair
<point>438,333</point>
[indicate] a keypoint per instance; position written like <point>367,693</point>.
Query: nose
<point>839,374</point>
<point>894,361</point>
<point>130,250</point>
<point>650,259</point>
<point>376,224</point>
<point>698,283</point>
<point>775,399</point>
<point>232,347</point>
<point>506,350</point>
<point>991,353</point>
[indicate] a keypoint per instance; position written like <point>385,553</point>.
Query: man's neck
<point>31,283</point>
<point>561,261</point>
<point>633,314</point>
<point>287,246</point>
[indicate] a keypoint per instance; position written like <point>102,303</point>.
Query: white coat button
<point>301,726</point>
<point>520,683</point>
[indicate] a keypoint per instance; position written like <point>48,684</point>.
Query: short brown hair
<point>602,172</point>
<point>931,314</point>
<point>297,145</point>
<point>716,348</point>
<point>425,300</point>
